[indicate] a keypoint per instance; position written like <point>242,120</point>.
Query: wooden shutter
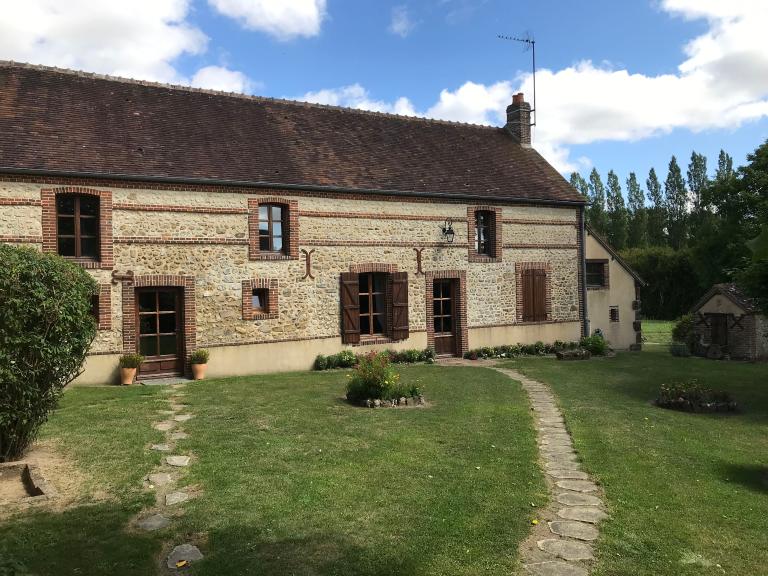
<point>399,305</point>
<point>540,295</point>
<point>492,234</point>
<point>350,308</point>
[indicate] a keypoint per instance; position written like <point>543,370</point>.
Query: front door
<point>160,327</point>
<point>444,311</point>
<point>719,324</point>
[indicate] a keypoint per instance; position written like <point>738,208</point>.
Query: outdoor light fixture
<point>447,230</point>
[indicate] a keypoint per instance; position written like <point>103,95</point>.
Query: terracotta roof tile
<point>65,121</point>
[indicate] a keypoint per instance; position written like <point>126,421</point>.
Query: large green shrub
<point>596,344</point>
<point>46,328</point>
<point>374,378</point>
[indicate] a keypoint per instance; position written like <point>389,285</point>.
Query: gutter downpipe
<point>583,256</point>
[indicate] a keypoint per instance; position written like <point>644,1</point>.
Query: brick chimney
<point>519,120</point>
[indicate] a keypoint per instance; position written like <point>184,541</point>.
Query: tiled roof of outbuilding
<point>62,121</point>
<point>733,293</point>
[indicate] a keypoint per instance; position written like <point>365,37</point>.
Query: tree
<point>638,217</point>
<point>46,329</point>
<point>617,213</point>
<point>677,205</point>
<point>578,182</point>
<point>657,212</point>
<point>724,167</point>
<point>697,179</point>
<point>596,215</point>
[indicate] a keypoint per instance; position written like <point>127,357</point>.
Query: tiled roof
<point>733,293</point>
<point>71,122</point>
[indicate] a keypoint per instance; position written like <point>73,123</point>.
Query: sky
<point>621,85</point>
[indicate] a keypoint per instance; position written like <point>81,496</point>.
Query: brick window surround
<point>50,242</point>
<point>606,275</point>
<point>519,308</point>
<point>389,314</point>
<point>104,315</point>
<point>462,338</point>
<point>292,232</point>
<point>496,229</point>
<point>268,284</point>
<point>160,280</point>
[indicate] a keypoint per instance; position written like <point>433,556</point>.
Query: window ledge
<point>272,256</point>
<point>263,316</point>
<point>484,259</point>
<point>373,340</point>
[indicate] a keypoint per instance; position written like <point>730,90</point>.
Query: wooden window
<point>374,304</point>
<point>613,313</point>
<point>534,295</point>
<point>372,288</point>
<point>596,276</point>
<point>485,240</point>
<point>272,232</point>
<point>77,226</point>
<point>260,301</point>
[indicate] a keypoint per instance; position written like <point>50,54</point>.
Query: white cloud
<point>401,23</point>
<point>224,79</point>
<point>138,39</point>
<point>283,19</point>
<point>355,96</point>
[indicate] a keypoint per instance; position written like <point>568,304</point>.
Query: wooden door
<point>444,316</point>
<point>719,327</point>
<point>160,330</point>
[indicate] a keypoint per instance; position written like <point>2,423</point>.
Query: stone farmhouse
<point>270,231</point>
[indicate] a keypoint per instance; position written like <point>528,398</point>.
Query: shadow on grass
<point>753,476</point>
<point>318,555</point>
<point>86,540</point>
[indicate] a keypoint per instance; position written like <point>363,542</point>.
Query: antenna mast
<point>530,44</point>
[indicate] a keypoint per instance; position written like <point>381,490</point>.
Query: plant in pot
<point>129,364</point>
<point>199,361</point>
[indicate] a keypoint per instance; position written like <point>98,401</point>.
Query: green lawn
<point>687,492</point>
<point>658,331</point>
<point>295,481</point>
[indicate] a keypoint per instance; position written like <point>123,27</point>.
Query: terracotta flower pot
<point>127,375</point>
<point>198,371</point>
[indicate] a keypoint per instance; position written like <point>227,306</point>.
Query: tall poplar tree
<point>677,205</point>
<point>657,212</point>
<point>578,182</point>
<point>617,213</point>
<point>596,215</point>
<point>637,236</point>
<point>724,167</point>
<point>697,179</point>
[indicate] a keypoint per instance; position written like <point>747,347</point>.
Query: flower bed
<point>375,383</point>
<point>348,359</point>
<point>691,397</point>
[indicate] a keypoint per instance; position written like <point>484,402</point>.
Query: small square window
<point>613,313</point>
<point>260,300</point>
<point>596,274</point>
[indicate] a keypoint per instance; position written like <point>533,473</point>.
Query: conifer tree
<point>677,205</point>
<point>596,215</point>
<point>724,167</point>
<point>657,212</point>
<point>637,236</point>
<point>578,182</point>
<point>697,179</point>
<point>617,213</point>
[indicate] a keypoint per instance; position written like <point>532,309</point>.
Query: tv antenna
<point>529,43</point>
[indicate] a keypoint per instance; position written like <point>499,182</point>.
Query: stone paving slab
<point>177,497</point>
<point>161,447</point>
<point>573,529</point>
<point>573,499</point>
<point>179,436</point>
<point>566,549</point>
<point>154,522</point>
<point>562,464</point>
<point>178,460</point>
<point>163,426</point>
<point>577,485</point>
<point>160,479</point>
<point>555,568</point>
<point>591,514</point>
<point>568,474</point>
<point>183,552</point>
<point>183,417</point>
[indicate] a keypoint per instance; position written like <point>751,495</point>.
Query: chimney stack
<point>519,120</point>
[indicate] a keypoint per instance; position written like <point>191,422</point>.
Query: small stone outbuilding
<point>728,324</point>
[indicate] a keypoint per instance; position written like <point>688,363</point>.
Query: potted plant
<point>199,361</point>
<point>129,364</point>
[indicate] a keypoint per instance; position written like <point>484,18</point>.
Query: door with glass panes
<point>159,327</point>
<point>444,316</point>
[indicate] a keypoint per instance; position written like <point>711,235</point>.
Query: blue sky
<point>622,85</point>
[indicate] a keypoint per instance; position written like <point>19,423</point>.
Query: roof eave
<point>278,185</point>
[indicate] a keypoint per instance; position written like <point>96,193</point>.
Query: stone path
<point>561,543</point>
<point>169,497</point>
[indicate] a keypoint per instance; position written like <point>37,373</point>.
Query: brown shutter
<point>350,308</point>
<point>527,295</point>
<point>540,295</point>
<point>492,233</point>
<point>399,305</point>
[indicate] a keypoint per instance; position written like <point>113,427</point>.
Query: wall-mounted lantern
<point>447,231</point>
